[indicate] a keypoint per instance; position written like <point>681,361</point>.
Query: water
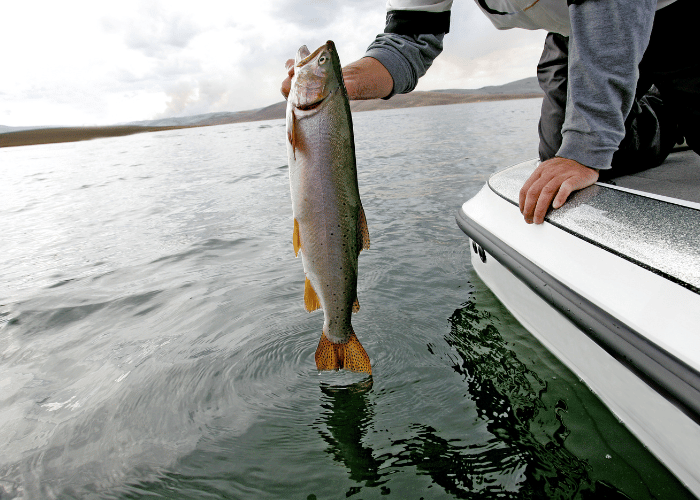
<point>154,344</point>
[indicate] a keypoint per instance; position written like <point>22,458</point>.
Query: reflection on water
<point>347,416</point>
<point>525,455</point>
<point>528,434</point>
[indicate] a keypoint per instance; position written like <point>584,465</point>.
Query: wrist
<point>367,78</point>
<point>580,148</point>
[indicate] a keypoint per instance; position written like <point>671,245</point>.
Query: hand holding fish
<point>366,78</point>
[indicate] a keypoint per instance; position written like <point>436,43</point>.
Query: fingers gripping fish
<point>330,228</point>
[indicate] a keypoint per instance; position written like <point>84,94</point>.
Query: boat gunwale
<point>674,279</point>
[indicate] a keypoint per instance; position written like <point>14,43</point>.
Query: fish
<point>330,227</point>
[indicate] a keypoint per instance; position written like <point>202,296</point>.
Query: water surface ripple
<point>154,344</point>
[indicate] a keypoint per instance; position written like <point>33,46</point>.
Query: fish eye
<point>323,59</point>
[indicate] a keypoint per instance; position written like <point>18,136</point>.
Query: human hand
<point>287,82</point>
<point>366,78</point>
<point>554,179</point>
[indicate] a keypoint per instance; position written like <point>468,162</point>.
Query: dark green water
<point>154,344</point>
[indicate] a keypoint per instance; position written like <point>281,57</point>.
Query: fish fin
<point>327,355</point>
<point>356,305</point>
<point>356,358</point>
<point>296,240</point>
<point>311,301</point>
<point>362,231</point>
<point>349,355</point>
<point>291,125</point>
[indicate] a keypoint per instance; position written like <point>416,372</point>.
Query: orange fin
<point>356,305</point>
<point>296,241</point>
<point>362,231</point>
<point>311,301</point>
<point>350,355</point>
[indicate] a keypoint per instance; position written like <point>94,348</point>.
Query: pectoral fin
<point>296,240</point>
<point>350,355</point>
<point>311,300</point>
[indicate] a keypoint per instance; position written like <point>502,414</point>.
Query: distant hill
<point>267,113</point>
<point>524,86</point>
<point>19,136</point>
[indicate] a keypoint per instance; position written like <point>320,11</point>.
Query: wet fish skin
<point>330,228</point>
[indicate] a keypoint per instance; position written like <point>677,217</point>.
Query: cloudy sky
<point>98,63</point>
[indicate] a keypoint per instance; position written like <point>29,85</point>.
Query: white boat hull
<point>562,289</point>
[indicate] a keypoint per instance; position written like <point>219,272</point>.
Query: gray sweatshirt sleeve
<point>406,57</point>
<point>607,42</point>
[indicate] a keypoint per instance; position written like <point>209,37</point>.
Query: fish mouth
<point>308,107</point>
<point>315,104</point>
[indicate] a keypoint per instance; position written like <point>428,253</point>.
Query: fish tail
<point>349,355</point>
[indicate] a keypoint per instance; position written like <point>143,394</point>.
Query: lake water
<point>154,343</point>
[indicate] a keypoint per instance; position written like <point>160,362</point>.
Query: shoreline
<point>73,134</point>
<point>56,135</point>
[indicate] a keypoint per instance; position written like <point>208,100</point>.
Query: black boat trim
<point>672,378</point>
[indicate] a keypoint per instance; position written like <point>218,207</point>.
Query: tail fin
<point>350,355</point>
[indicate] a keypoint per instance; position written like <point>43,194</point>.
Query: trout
<point>330,228</point>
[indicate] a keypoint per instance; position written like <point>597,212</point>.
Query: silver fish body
<point>330,228</point>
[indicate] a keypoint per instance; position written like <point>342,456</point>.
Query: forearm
<point>406,57</point>
<point>367,78</point>
<point>607,42</point>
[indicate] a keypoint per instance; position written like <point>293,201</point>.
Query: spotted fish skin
<point>330,228</point>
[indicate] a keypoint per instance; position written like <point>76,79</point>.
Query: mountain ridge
<point>19,136</point>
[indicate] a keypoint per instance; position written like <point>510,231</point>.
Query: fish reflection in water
<point>524,458</point>
<point>347,415</point>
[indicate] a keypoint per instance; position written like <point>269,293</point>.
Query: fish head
<point>316,76</point>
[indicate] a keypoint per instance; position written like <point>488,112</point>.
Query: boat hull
<point>628,329</point>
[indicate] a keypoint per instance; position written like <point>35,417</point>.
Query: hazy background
<point>93,63</point>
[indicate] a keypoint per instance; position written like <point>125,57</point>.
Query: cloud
<point>196,98</point>
<point>242,65</point>
<point>351,25</point>
<point>98,64</point>
<point>477,54</point>
<point>497,67</point>
<point>320,14</point>
<point>154,29</point>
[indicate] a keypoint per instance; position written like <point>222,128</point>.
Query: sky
<point>77,63</point>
